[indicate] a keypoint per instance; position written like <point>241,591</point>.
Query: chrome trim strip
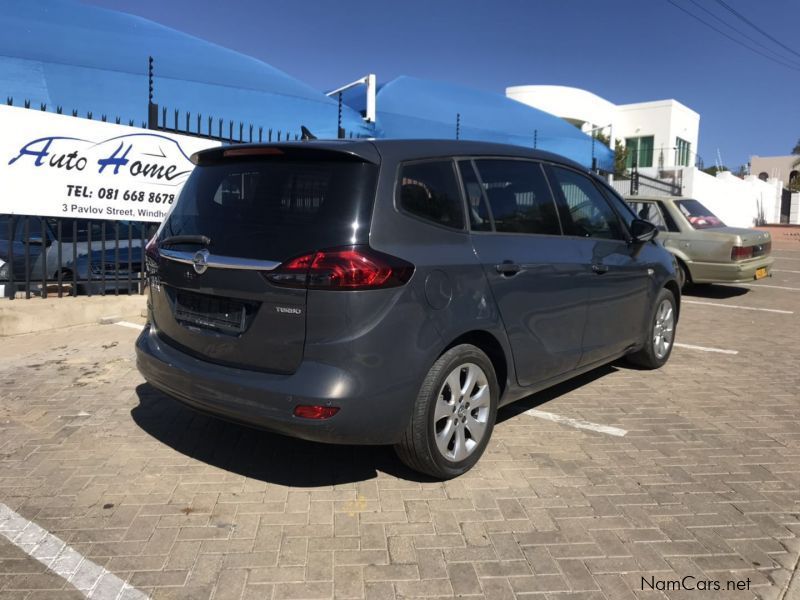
<point>220,262</point>
<point>181,257</point>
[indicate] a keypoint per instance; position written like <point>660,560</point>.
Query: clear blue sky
<point>623,50</point>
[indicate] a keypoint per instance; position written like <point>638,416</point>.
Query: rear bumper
<point>742,272</point>
<point>267,400</point>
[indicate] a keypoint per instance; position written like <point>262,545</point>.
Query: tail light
<point>350,268</point>
<point>741,252</point>
<point>315,411</point>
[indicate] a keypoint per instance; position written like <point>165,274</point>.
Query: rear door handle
<point>508,268</point>
<point>600,269</point>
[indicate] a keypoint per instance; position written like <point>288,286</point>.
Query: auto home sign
<point>62,166</point>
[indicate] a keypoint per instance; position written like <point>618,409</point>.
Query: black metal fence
<point>50,256</point>
<point>637,184</point>
<point>59,110</point>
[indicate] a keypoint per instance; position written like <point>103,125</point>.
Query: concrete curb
<point>37,314</point>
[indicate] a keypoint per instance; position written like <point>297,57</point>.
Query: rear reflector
<point>350,268</point>
<point>306,411</point>
<point>741,252</point>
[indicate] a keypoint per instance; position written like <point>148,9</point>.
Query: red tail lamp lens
<point>306,411</point>
<point>353,268</point>
<point>348,269</point>
<point>741,252</point>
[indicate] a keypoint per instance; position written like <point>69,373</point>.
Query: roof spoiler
<point>312,149</point>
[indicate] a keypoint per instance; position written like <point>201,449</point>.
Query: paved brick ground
<point>706,483</point>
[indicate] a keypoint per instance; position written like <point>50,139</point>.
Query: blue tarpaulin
<point>62,53</point>
<point>416,108</point>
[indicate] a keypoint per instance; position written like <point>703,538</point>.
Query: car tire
<point>684,277</point>
<point>660,333</point>
<point>452,419</point>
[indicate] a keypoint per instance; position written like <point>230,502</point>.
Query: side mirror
<point>643,231</point>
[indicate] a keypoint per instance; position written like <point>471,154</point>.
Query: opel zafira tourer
<point>396,292</point>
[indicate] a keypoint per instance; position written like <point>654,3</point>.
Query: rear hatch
<point>243,212</point>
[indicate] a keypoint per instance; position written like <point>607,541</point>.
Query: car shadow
<point>715,292</point>
<point>536,400</point>
<point>259,454</point>
<point>275,458</point>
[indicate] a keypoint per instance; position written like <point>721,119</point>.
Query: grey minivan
<point>396,292</point>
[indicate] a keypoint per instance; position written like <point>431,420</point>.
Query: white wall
<point>794,209</point>
<point>735,201</point>
<point>665,120</point>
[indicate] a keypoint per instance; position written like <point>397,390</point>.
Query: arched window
<point>763,176</point>
<point>793,176</point>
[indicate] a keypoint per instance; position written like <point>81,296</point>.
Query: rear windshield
<point>275,209</point>
<point>698,215</point>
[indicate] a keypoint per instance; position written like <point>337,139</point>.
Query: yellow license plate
<point>761,273</point>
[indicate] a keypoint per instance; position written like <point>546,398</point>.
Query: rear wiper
<point>171,240</point>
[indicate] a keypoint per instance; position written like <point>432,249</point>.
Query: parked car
<point>5,290</point>
<point>116,269</point>
<point>396,292</point>
<point>707,251</point>
<point>6,251</point>
<point>38,236</point>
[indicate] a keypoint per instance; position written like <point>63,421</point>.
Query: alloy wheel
<point>461,413</point>
<point>663,329</point>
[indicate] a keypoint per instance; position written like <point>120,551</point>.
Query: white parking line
<point>774,287</point>
<point>704,348</point>
<point>129,324</point>
<point>577,423</point>
<point>771,310</point>
<point>785,257</point>
<point>92,580</point>
<point>784,271</point>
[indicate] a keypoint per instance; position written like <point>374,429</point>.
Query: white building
<point>659,135</point>
<point>662,138</point>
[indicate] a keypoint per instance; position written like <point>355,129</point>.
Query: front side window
<point>519,196</point>
<point>34,229</point>
<point>698,215</point>
<point>586,212</point>
<point>429,190</point>
<point>649,211</point>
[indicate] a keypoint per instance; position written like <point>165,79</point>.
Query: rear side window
<point>698,215</point>
<point>275,209</point>
<point>587,213</point>
<point>519,196</point>
<point>429,190</point>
